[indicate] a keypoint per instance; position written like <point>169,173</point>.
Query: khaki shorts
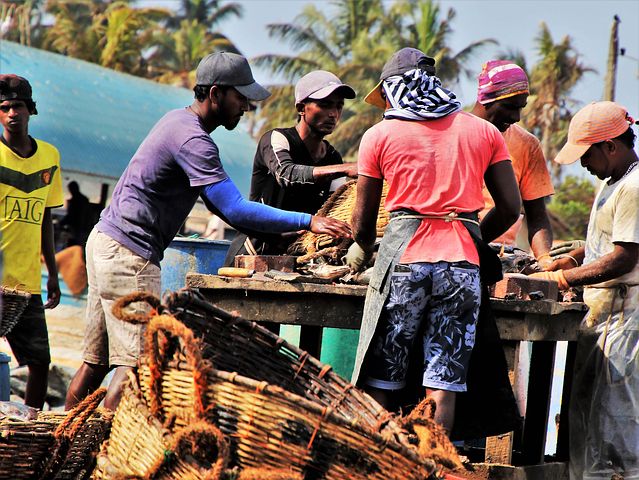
<point>114,271</point>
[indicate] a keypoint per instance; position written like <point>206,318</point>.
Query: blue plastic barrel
<point>191,255</point>
<point>5,387</point>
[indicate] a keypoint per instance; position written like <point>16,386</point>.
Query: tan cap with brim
<point>595,123</point>
<point>374,97</point>
<point>402,61</point>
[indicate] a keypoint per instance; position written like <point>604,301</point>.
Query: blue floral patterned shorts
<point>442,301</point>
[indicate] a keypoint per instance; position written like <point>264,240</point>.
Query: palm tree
<point>178,53</point>
<point>74,31</point>
<point>341,43</point>
<point>111,33</point>
<point>209,14</point>
<point>551,81</point>
<point>419,24</point>
<point>354,43</point>
<point>189,36</point>
<point>125,33</point>
<point>21,21</point>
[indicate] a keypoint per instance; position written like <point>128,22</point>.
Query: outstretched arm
<point>247,215</point>
<point>620,261</point>
<point>330,172</point>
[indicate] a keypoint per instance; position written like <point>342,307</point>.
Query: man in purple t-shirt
<point>175,164</point>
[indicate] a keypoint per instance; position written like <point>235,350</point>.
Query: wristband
<point>570,257</point>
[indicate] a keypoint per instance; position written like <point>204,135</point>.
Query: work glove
<point>566,247</point>
<point>544,261</point>
<point>356,257</point>
<point>557,276</point>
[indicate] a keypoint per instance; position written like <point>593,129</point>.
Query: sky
<point>513,23</point>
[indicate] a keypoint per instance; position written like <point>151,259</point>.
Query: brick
<point>516,286</point>
<point>264,263</point>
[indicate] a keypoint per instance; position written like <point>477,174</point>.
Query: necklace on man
<point>630,169</point>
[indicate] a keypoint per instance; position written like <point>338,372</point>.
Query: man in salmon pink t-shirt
<point>502,94</point>
<point>426,279</point>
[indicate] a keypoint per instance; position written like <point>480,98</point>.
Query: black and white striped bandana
<point>415,95</point>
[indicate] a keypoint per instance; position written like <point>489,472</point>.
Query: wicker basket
<point>12,303</point>
<point>237,345</point>
<point>55,445</point>
<point>141,447</point>
<point>268,427</point>
<point>339,206</point>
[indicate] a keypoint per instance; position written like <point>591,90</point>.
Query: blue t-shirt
<point>161,184</point>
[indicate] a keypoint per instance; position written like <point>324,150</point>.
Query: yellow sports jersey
<point>27,187</point>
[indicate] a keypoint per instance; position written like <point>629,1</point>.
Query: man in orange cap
<point>30,186</point>
<point>604,410</point>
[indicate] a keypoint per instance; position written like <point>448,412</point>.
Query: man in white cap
<point>175,164</point>
<point>294,166</point>
<point>604,409</point>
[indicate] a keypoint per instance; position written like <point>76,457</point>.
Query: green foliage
<point>552,80</point>
<point>150,42</point>
<point>572,203</point>
<point>353,40</point>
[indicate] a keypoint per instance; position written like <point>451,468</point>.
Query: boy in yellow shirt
<point>30,186</point>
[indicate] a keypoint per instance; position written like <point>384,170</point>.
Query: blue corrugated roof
<point>97,117</point>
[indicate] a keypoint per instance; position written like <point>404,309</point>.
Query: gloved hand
<point>544,261</point>
<point>557,276</point>
<point>356,257</point>
<point>566,247</point>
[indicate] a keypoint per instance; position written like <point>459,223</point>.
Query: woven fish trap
<point>234,344</point>
<point>267,426</point>
<point>13,301</point>
<point>56,444</point>
<point>140,446</point>
<point>339,206</point>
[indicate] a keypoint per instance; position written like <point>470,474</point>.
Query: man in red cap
<point>30,186</point>
<point>502,94</point>
<point>604,410</point>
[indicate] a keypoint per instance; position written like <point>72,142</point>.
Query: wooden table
<point>315,306</point>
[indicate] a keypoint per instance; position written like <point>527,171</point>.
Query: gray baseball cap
<point>320,84</point>
<point>401,62</point>
<point>230,69</point>
<point>407,59</point>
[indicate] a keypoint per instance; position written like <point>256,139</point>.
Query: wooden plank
<point>499,448</point>
<point>538,402</point>
<point>539,307</point>
<point>564,418</point>
<point>264,284</point>
<point>547,471</point>
<point>283,307</point>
